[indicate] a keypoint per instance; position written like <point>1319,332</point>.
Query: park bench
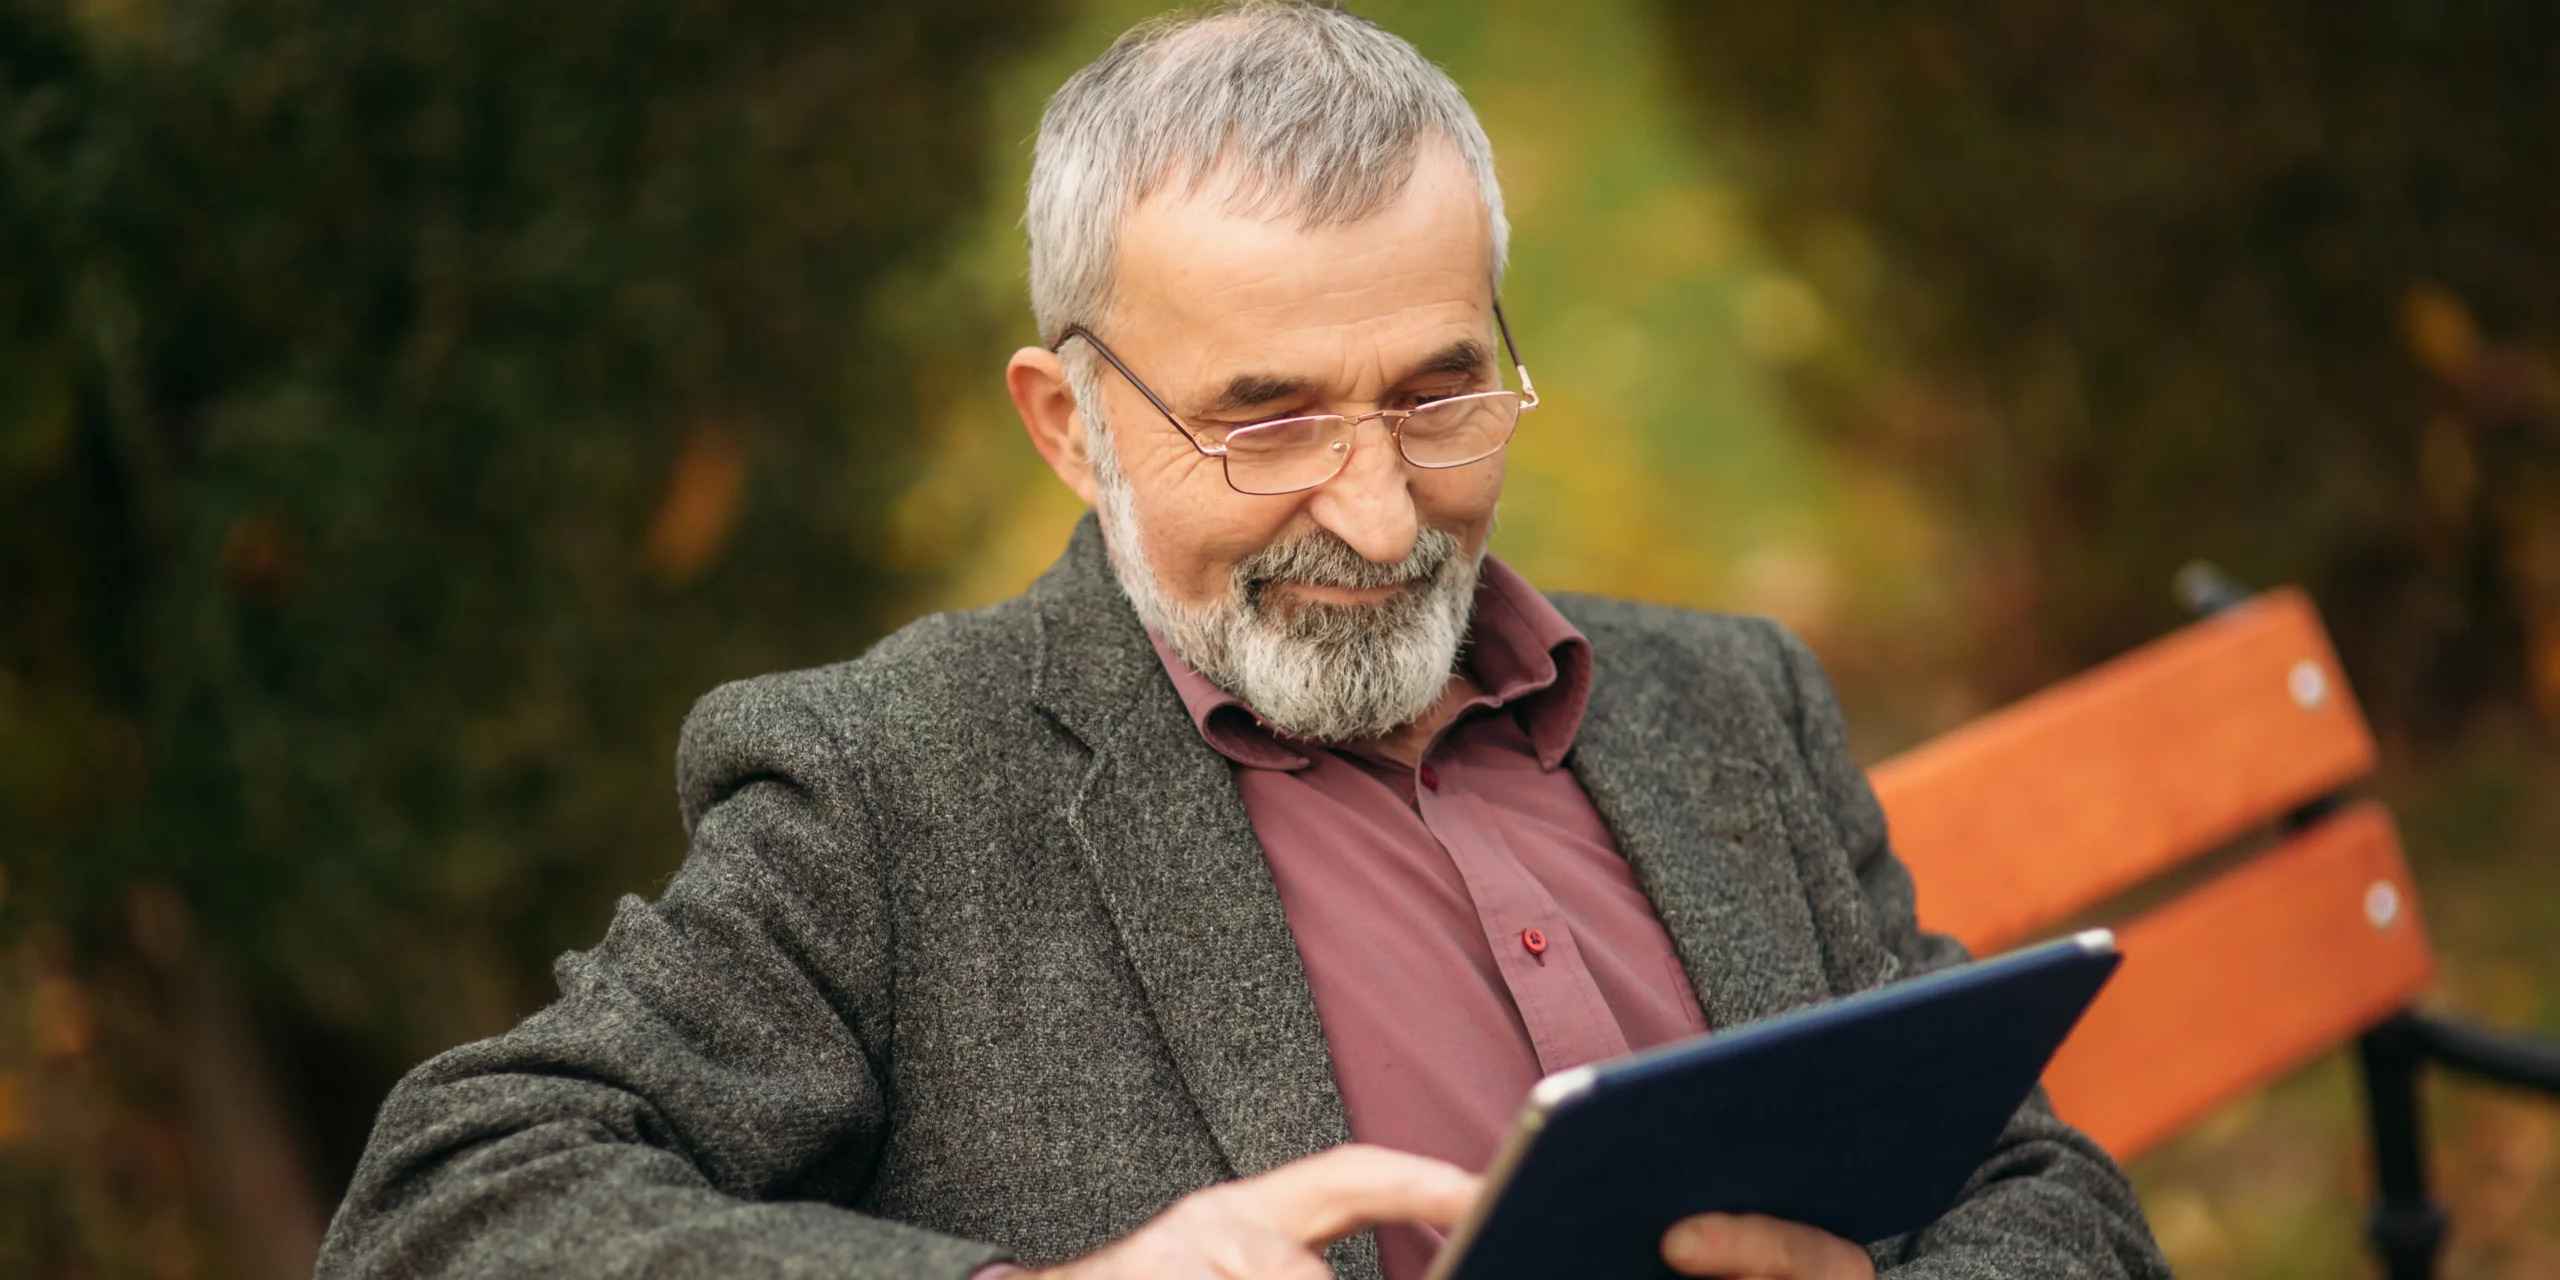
<point>2195,795</point>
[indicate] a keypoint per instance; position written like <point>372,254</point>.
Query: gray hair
<point>1318,112</point>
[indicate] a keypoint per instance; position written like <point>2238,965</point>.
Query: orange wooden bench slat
<point>2248,976</point>
<point>2049,806</point>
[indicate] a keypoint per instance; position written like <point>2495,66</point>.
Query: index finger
<point>1324,1197</point>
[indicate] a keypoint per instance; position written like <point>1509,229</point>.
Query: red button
<point>1535,941</point>
<point>1430,778</point>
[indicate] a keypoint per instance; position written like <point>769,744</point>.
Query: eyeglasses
<point>1287,455</point>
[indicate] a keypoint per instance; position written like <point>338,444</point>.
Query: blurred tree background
<point>410,410</point>
<point>404,413</point>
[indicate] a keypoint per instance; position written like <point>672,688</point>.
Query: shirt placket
<point>1533,945</point>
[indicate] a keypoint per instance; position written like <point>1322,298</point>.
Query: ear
<point>1037,380</point>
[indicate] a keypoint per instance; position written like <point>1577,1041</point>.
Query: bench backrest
<point>2162,772</point>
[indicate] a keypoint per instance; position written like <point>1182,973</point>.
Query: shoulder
<point>936,676</point>
<point>1744,681</point>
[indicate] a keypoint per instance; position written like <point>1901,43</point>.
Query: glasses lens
<point>1461,429</point>
<point>1288,455</point>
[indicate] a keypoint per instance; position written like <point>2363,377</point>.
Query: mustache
<point>1323,559</point>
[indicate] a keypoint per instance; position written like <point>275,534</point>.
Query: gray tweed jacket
<point>974,955</point>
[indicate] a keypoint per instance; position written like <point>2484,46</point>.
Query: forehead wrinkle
<point>1212,301</point>
<point>1174,254</point>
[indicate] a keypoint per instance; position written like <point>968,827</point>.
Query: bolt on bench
<point>2195,790</point>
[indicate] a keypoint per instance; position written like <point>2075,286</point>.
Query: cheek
<point>1460,500</point>
<point>1196,528</point>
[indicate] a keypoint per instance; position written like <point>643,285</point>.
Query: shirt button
<point>1430,778</point>
<point>1534,940</point>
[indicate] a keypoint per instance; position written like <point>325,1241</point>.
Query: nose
<point>1370,505</point>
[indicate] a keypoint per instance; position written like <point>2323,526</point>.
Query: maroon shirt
<point>1467,925</point>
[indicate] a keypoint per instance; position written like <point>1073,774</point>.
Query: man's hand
<point>1275,1226</point>
<point>1736,1246</point>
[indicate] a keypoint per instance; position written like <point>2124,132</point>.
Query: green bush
<point>408,410</point>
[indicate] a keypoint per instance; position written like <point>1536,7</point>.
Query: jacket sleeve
<point>705,1090</point>
<point>2048,1202</point>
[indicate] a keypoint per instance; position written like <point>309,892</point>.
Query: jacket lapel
<point>1165,836</point>
<point>1702,830</point>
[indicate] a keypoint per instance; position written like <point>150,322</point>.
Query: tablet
<point>1863,1116</point>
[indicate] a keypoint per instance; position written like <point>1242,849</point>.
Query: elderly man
<point>1217,900</point>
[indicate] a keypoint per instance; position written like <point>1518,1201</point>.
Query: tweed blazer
<point>974,955</point>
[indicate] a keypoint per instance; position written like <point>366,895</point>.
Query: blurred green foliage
<point>2123,285</point>
<point>404,413</point>
<point>408,410</point>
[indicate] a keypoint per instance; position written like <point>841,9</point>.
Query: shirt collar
<point>1521,652</point>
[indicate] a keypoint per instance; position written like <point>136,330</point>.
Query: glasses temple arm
<point>1075,331</point>
<point>1510,348</point>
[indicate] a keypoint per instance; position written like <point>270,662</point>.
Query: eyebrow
<point>1250,390</point>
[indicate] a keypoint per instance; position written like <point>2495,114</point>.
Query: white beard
<point>1313,670</point>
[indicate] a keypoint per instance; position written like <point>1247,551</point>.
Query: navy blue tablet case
<point>1862,1116</point>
